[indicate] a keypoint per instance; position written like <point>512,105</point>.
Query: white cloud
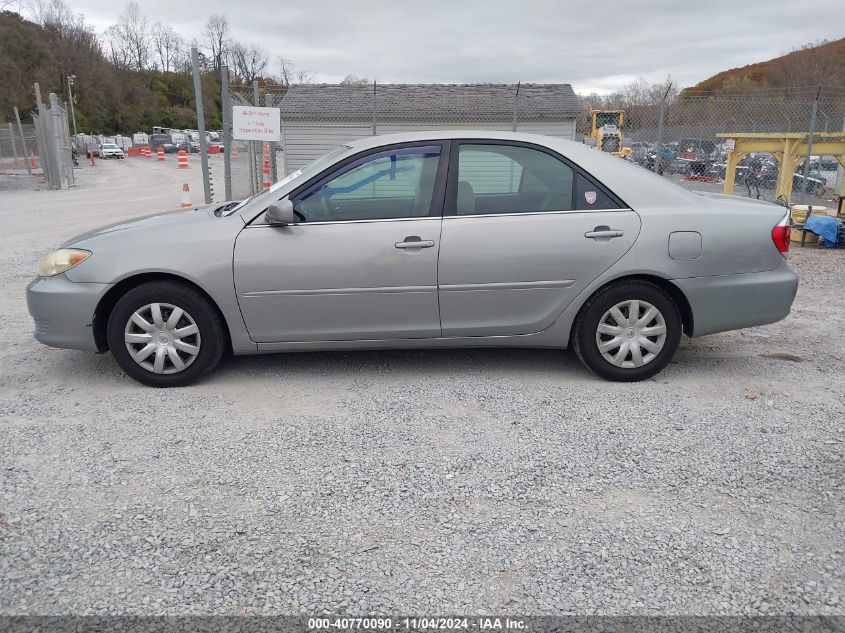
<point>594,46</point>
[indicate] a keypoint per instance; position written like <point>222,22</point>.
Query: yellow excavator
<point>607,130</point>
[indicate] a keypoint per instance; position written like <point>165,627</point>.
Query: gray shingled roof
<point>430,101</point>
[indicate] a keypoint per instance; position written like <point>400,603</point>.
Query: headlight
<point>61,260</point>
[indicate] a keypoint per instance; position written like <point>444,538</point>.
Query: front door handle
<point>414,241</point>
<point>603,232</point>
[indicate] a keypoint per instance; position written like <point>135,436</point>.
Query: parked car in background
<point>195,146</point>
<point>159,139</point>
<point>666,157</point>
<point>183,147</point>
<point>425,239</point>
<point>824,163</point>
<point>693,156</point>
<point>111,150</point>
<point>93,149</point>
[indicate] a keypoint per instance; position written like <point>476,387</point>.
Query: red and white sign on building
<point>251,123</point>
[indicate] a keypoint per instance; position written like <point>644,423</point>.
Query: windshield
<point>109,146</point>
<point>268,195</point>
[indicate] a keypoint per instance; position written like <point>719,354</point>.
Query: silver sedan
<point>437,239</point>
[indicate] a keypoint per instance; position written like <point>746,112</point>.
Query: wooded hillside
<point>820,64</point>
<point>135,75</point>
<point>109,99</point>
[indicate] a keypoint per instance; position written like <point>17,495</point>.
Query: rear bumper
<point>64,311</point>
<point>731,302</point>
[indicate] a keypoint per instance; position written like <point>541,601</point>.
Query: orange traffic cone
<point>234,155</point>
<point>160,153</point>
<point>186,196</point>
<point>32,159</point>
<point>183,159</point>
<point>266,174</point>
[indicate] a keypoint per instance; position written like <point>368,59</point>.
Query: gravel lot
<point>416,482</point>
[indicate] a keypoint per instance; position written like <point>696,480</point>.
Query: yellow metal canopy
<point>788,148</point>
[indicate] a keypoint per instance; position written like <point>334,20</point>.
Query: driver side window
<point>396,183</point>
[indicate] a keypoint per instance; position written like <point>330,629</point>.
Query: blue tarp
<point>824,226</point>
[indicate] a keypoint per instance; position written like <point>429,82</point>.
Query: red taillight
<point>780,235</point>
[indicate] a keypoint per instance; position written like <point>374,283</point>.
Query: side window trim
<point>451,202</point>
<point>349,163</point>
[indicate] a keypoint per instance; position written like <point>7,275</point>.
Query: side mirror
<point>280,213</point>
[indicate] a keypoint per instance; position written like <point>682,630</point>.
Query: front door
<point>524,232</point>
<point>361,261</point>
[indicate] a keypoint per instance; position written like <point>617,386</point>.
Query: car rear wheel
<point>165,334</point>
<point>627,331</point>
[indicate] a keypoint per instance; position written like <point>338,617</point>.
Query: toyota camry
<point>429,239</point>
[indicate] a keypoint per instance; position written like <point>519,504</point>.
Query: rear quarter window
<point>589,195</point>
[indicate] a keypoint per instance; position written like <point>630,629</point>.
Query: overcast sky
<point>594,45</point>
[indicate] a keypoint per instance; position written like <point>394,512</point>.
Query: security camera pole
<point>70,79</point>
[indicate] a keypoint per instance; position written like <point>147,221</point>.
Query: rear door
<point>523,233</point>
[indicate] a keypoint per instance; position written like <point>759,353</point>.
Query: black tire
<point>211,331</point>
<point>587,322</point>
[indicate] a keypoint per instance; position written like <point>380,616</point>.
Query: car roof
<point>636,186</point>
<point>437,135</point>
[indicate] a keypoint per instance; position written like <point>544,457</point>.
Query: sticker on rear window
<point>590,197</point>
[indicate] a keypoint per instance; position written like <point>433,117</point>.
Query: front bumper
<point>731,302</point>
<point>64,311</point>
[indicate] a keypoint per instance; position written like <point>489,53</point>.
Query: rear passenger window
<point>511,179</point>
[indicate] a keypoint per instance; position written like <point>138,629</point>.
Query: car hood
<point>176,219</point>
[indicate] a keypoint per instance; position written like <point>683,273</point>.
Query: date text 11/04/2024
<point>417,624</point>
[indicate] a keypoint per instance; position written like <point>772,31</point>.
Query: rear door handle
<point>603,232</point>
<point>413,241</point>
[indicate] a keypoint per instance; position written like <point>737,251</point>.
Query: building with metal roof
<point>317,118</point>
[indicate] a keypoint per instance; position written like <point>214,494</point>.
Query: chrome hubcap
<point>631,334</point>
<point>162,338</point>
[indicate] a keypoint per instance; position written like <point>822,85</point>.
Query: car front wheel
<point>627,331</point>
<point>165,334</point>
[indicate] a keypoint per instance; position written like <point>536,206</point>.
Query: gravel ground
<point>504,481</point>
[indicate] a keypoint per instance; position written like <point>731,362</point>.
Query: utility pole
<point>206,183</point>
<point>70,79</point>
<point>227,132</point>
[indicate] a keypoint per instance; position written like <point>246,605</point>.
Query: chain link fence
<point>684,139</point>
<point>53,141</point>
<point>17,147</point>
<point>249,164</point>
<point>317,118</point>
